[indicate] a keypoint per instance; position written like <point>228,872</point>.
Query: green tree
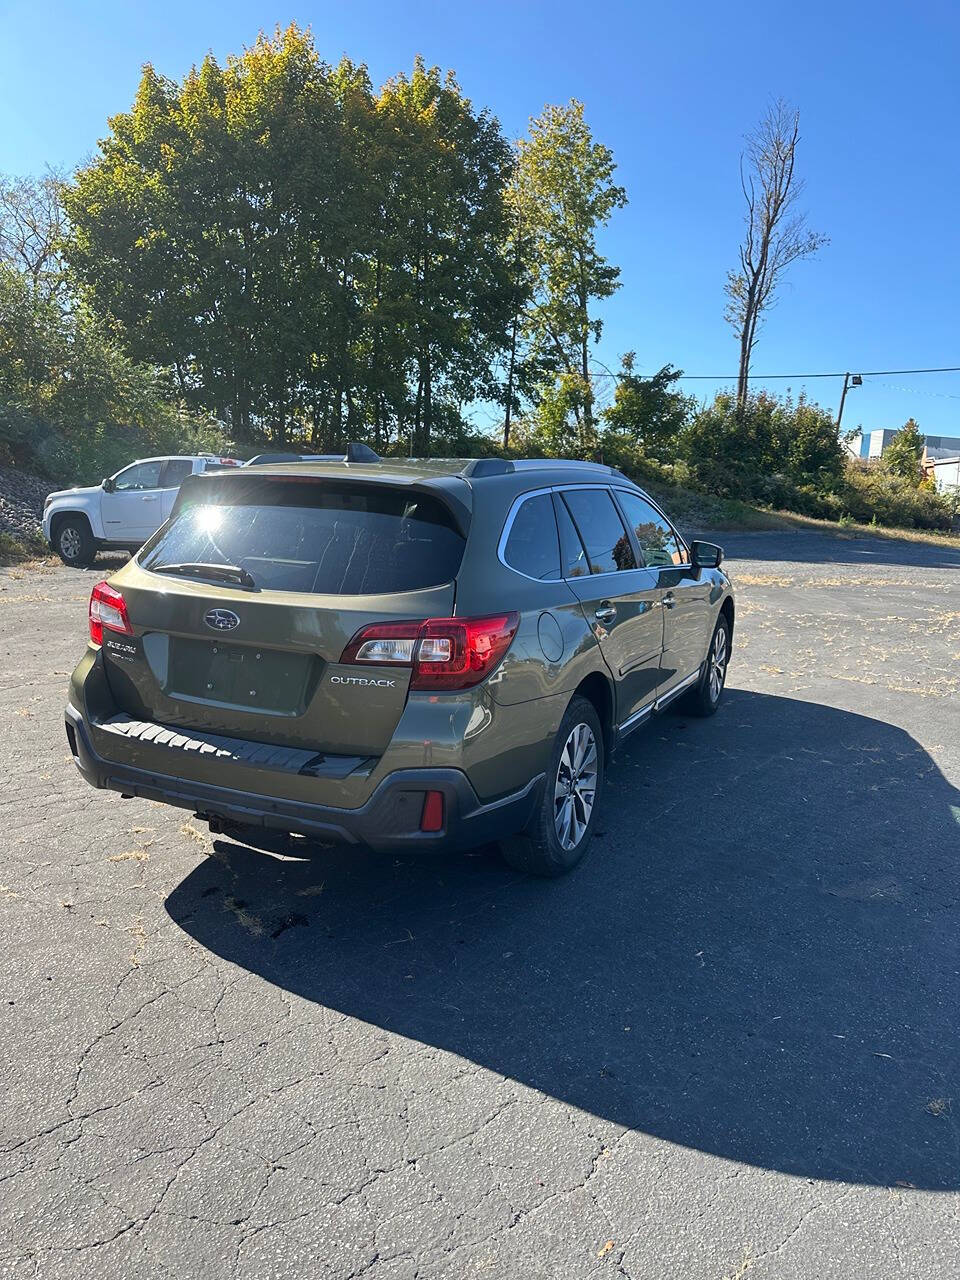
<point>307,256</point>
<point>448,283</point>
<point>904,452</point>
<point>32,229</point>
<point>649,412</point>
<point>550,429</point>
<point>72,402</point>
<point>565,184</point>
<point>517,256</point>
<point>215,214</point>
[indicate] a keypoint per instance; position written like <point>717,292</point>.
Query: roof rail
<point>477,468</point>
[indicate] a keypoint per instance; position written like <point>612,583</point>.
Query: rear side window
<point>601,530</point>
<point>312,536</point>
<point>175,471</point>
<point>532,546</point>
<point>573,558</point>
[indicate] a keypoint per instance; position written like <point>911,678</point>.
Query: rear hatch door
<point>250,645</point>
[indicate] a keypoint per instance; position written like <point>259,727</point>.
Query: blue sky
<point>671,89</point>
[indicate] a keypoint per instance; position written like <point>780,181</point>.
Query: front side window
<point>601,530</point>
<point>531,546</point>
<point>311,536</point>
<point>659,544</point>
<point>142,475</point>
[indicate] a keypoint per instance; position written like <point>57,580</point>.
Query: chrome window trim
<point>607,573</point>
<point>508,528</point>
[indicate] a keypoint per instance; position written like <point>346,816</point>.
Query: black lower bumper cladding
<point>389,821</point>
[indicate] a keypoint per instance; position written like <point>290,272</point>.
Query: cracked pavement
<point>726,1047</point>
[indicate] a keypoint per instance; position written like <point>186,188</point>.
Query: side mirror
<point>706,555</point>
<point>107,485</point>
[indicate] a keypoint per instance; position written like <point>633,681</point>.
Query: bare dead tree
<point>776,233</point>
<point>32,226</point>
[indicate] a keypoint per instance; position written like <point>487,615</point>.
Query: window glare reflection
<point>208,519</point>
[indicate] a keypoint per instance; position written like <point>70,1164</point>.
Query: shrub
<point>784,453</point>
<point>874,493</point>
<point>73,406</point>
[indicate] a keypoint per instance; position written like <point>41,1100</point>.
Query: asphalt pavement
<point>726,1047</point>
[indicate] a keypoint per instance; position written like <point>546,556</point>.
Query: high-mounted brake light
<point>108,609</point>
<point>445,653</point>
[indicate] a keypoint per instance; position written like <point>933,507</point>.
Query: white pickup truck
<point>124,510</point>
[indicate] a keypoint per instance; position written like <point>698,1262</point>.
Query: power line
<point>913,391</point>
<point>797,377</point>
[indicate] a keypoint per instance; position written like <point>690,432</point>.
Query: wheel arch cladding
<point>59,517</point>
<point>728,610</point>
<point>596,689</point>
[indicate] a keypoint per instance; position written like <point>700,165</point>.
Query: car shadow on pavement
<point>801,547</point>
<point>758,960</point>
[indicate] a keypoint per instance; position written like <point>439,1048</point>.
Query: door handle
<point>150,497</point>
<point>606,613</point>
<point>668,600</point>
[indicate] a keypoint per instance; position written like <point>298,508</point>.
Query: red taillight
<point>431,818</point>
<point>108,609</point>
<point>456,653</point>
<point>445,653</point>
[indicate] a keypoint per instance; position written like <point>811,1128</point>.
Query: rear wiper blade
<point>220,572</point>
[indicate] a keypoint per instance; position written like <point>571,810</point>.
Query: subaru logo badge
<point>221,619</point>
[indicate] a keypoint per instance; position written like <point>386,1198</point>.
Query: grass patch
<point>15,549</point>
<point>939,539</point>
<point>704,512</point>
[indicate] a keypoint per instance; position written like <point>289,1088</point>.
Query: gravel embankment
<point>21,502</point>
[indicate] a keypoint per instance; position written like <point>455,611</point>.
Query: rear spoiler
<point>446,489</point>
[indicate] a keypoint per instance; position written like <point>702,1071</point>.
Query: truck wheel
<point>559,832</point>
<point>74,543</point>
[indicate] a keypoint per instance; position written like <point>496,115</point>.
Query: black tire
<point>538,850</point>
<point>73,542</point>
<point>704,698</point>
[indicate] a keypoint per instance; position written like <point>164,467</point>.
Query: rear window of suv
<point>320,537</point>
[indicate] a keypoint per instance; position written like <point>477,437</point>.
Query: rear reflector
<point>108,609</point>
<point>432,817</point>
<point>444,653</point>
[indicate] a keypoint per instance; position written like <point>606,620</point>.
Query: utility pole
<point>853,380</point>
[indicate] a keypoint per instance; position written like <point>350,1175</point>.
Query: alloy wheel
<point>70,543</point>
<point>718,663</point>
<point>575,789</point>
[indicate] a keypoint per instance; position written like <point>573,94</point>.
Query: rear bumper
<point>389,821</point>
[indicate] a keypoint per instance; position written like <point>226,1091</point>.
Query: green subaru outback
<point>397,654</point>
